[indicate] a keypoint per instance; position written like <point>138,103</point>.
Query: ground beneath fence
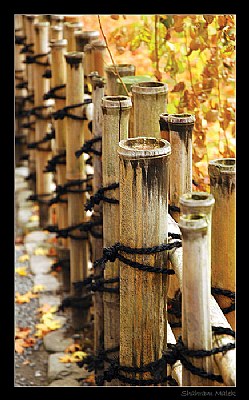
<point>47,349</point>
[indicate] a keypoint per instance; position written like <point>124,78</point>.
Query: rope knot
<point>110,253</point>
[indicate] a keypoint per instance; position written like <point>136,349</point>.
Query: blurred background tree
<point>195,55</point>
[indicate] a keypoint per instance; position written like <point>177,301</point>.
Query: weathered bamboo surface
<point>226,362</point>
<point>69,34</point>
<point>144,171</point>
<point>115,128</point>
<point>112,86</point>
<point>223,187</point>
<point>149,101</point>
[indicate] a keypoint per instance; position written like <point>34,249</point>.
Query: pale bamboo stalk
<point>116,111</point>
<point>174,370</point>
<point>149,101</point>
<point>56,33</point>
<point>88,61</point>
<point>144,171</point>
<point>164,127</point>
<point>223,187</point>
<point>97,243</point>
<point>226,362</point>
<point>19,23</point>
<point>41,86</point>
<point>57,20</point>
<point>72,18</point>
<point>70,29</point>
<point>58,67</point>
<point>112,86</point>
<point>196,292</point>
<point>75,170</point>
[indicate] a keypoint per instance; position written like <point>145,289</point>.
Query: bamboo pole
<point>164,127</point>
<point>112,86</point>
<point>97,243</point>
<point>70,29</point>
<point>144,171</point>
<point>116,111</point>
<point>72,18</point>
<point>84,37</point>
<point>222,186</point>
<point>57,20</point>
<point>99,55</point>
<point>180,127</point>
<point>226,363</point>
<point>58,66</point>
<point>56,33</point>
<point>41,86</point>
<point>149,101</point>
<point>75,170</point>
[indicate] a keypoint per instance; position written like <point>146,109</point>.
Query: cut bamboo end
<point>56,33</point>
<point>164,126</point>
<point>84,37</point>
<point>196,202</point>
<point>150,88</point>
<point>112,71</point>
<point>143,147</point>
<point>222,174</point>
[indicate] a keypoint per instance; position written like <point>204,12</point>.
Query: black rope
<point>63,263</point>
<point>48,136</point>
<point>51,94</point>
<point>20,39</point>
<point>83,226</point>
<point>82,302</point>
<point>27,48</point>
<point>60,114</point>
<point>64,189</point>
<point>31,176</point>
<point>87,147</point>
<point>226,293</point>
<point>99,195</point>
<point>34,59</point>
<point>39,198</point>
<point>33,111</point>
<point>22,85</point>
<point>28,125</point>
<point>57,159</point>
<point>47,74</point>
<point>112,253</point>
<point>173,208</point>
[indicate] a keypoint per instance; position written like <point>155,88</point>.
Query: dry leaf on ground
<point>21,271</point>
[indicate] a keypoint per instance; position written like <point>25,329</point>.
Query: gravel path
<point>31,365</point>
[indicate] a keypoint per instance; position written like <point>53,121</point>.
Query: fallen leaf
<point>24,298</point>
<point>18,346</point>
<point>78,356</point>
<point>52,251</point>
<point>72,348</point>
<point>65,359</point>
<point>40,251</point>
<point>21,271</point>
<point>38,288</point>
<point>23,258</point>
<point>26,362</point>
<point>22,332</point>
<point>34,218</point>
<point>47,308</point>
<point>90,379</point>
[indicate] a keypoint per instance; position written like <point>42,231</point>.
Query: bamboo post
<point>56,20</point>
<point>112,87</point>
<point>41,86</point>
<point>144,171</point>
<point>84,37</point>
<point>97,243</point>
<point>180,127</point>
<point>58,50</point>
<point>71,28</point>
<point>75,170</point>
<point>222,186</point>
<point>196,292</point>
<point>56,33</point>
<point>72,18</point>
<point>225,362</point>
<point>149,101</point>
<point>116,111</point>
<point>99,55</point>
<point>164,127</point>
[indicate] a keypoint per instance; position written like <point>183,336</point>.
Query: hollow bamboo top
<point>86,34</point>
<point>31,16</point>
<point>149,87</point>
<point>75,25</point>
<point>181,118</point>
<point>143,147</point>
<point>56,28</point>
<point>163,121</point>
<point>116,102</point>
<point>87,47</point>
<point>120,67</point>
<point>97,43</point>
<point>41,24</point>
<point>74,57</point>
<point>222,166</point>
<point>57,17</point>
<point>197,200</point>
<point>191,223</point>
<point>59,43</point>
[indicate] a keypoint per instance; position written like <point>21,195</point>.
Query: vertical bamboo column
<point>180,127</point>
<point>71,28</point>
<point>116,111</point>
<point>112,86</point>
<point>58,50</point>
<point>222,174</point>
<point>41,86</point>
<point>144,171</point>
<point>75,170</point>
<point>99,55</point>
<point>56,20</point>
<point>164,127</point>
<point>196,294</point>
<point>30,34</point>
<point>97,243</point>
<point>56,33</point>
<point>149,101</point>
<point>84,37</point>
